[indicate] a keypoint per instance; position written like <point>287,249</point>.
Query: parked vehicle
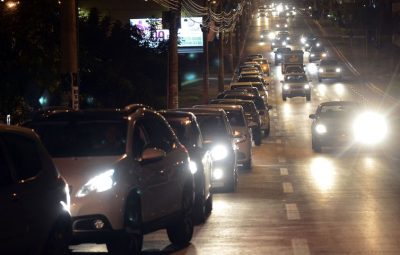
<point>220,140</point>
<point>188,131</point>
<point>128,172</point>
<point>252,117</point>
<point>241,130</point>
<point>295,85</point>
<point>34,197</point>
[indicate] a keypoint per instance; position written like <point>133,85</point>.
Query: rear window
<point>329,62</point>
<point>83,138</point>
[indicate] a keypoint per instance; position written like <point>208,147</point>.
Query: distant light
<point>11,4</point>
<point>190,76</point>
<point>43,100</point>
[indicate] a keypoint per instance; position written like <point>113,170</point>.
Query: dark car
<point>262,108</point>
<point>248,90</point>
<point>250,111</point>
<point>34,197</point>
<point>279,54</point>
<point>312,42</point>
<point>252,78</point>
<point>346,123</point>
<point>219,139</point>
<point>128,173</point>
<point>295,85</point>
<point>188,131</point>
<point>317,53</point>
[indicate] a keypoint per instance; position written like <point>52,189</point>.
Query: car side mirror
<point>152,154</point>
<point>312,116</point>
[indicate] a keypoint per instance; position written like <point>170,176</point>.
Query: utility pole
<point>173,76</point>
<point>69,49</point>
<point>206,62</point>
<point>221,52</point>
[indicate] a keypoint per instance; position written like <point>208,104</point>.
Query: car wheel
<point>248,164</point>
<point>181,232</point>
<point>283,98</point>
<point>59,238</point>
<point>200,210</point>
<point>209,204</point>
<point>125,244</point>
<point>308,97</point>
<point>316,146</point>
<point>257,136</point>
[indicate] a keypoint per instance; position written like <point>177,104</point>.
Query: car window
<point>295,78</point>
<point>337,110</point>
<point>24,155</point>
<point>159,133</point>
<point>185,131</point>
<point>235,118</point>
<point>211,126</point>
<point>5,172</point>
<point>83,138</point>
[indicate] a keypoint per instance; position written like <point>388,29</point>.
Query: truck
<point>292,62</point>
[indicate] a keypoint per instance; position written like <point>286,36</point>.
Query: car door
<point>159,185</point>
<point>22,199</point>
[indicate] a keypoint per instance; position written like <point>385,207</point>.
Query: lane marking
<point>287,187</point>
<point>281,160</point>
<point>300,246</point>
<point>292,212</point>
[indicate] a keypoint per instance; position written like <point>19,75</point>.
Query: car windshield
<point>236,118</point>
<point>334,111</point>
<point>183,130</point>
<point>82,138</point>
<point>211,126</point>
<point>329,62</point>
<point>295,78</point>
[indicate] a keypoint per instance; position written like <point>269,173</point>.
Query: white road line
<point>287,187</point>
<point>292,212</point>
<point>284,171</point>
<point>281,160</point>
<point>300,246</point>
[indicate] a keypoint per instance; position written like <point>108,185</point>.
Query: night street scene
<point>200,127</point>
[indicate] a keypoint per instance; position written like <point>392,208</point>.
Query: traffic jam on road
<point>284,161</point>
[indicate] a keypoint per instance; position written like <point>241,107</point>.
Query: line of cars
<point>114,175</point>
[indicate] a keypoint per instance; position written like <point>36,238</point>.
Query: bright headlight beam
<point>219,152</point>
<point>99,183</point>
<point>370,128</point>
<point>193,167</point>
<point>320,129</point>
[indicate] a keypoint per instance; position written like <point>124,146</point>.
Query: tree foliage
<point>116,66</point>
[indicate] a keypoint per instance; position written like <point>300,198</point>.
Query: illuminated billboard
<point>189,34</point>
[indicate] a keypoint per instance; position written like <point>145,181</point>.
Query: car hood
<point>78,171</point>
<point>337,123</point>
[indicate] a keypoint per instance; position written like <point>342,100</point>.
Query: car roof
<point>17,129</point>
<point>205,111</point>
<point>177,114</point>
<point>225,106</point>
<point>331,103</point>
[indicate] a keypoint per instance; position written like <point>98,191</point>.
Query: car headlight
<point>286,87</point>
<point>261,36</point>
<point>370,128</point>
<point>219,152</point>
<point>321,70</point>
<point>99,183</point>
<point>279,56</point>
<point>312,55</point>
<point>277,25</point>
<point>320,129</point>
<point>273,43</point>
<point>307,45</point>
<point>218,173</point>
<point>192,167</point>
<point>338,70</point>
<point>285,25</point>
<point>323,54</point>
<point>288,38</point>
<point>271,35</point>
<point>307,86</point>
<point>284,43</point>
<point>303,40</point>
<point>317,44</point>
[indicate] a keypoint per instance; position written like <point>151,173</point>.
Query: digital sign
<point>190,34</point>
